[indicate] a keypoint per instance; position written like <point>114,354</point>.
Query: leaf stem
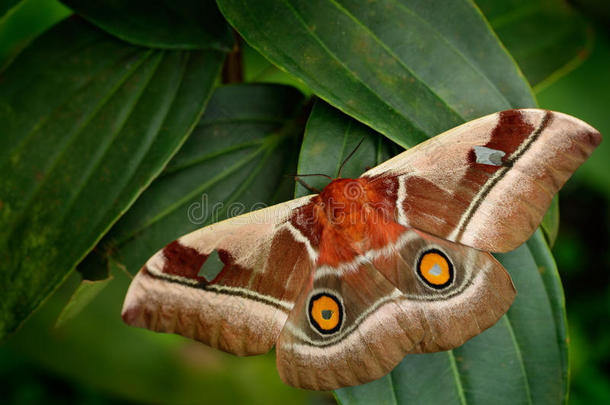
<point>233,68</point>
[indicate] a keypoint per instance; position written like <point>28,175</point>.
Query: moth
<point>347,282</point>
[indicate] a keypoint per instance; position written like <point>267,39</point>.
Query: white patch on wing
<point>537,120</point>
<point>488,156</point>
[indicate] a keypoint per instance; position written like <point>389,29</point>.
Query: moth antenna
<point>348,157</point>
<point>307,186</point>
<point>305,175</point>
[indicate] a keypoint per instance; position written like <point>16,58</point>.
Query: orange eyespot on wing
<point>325,313</point>
<point>435,268</point>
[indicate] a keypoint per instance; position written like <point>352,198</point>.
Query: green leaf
<point>257,69</point>
<point>7,6</point>
<point>235,161</point>
<point>522,359</point>
<point>330,136</point>
<point>86,292</point>
<point>175,24</point>
<point>550,222</point>
<point>552,283</point>
<point>402,67</point>
<point>82,137</point>
<point>25,21</point>
<point>546,37</point>
<point>95,276</point>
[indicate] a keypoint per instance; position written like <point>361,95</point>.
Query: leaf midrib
<point>513,337</point>
<point>457,377</point>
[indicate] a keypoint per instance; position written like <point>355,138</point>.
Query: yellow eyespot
<point>435,269</point>
<point>325,313</point>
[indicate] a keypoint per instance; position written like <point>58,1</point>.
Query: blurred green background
<point>94,358</point>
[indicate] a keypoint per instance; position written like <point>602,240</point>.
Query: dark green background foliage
<point>127,124</point>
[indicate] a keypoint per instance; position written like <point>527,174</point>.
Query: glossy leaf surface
<point>330,137</point>
<point>546,37</point>
<point>84,294</point>
<point>25,21</point>
<point>168,24</point>
<point>404,68</point>
<point>81,139</point>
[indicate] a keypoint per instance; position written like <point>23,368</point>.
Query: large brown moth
<point>345,283</point>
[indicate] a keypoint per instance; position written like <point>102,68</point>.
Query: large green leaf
<point>83,295</point>
<point>88,121</point>
<point>257,69</point>
<point>25,21</point>
<point>173,24</point>
<point>408,68</point>
<point>235,161</point>
<point>546,37</point>
<point>550,277</point>
<point>527,28</point>
<point>522,359</point>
